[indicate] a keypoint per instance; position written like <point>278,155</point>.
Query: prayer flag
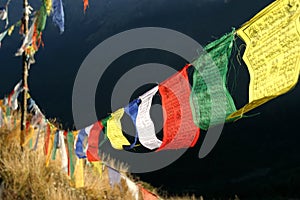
<point>144,124</point>
<point>114,177</point>
<point>58,17</point>
<point>272,52</point>
<point>210,100</point>
<point>179,129</point>
<point>93,142</point>
<point>114,130</point>
<point>132,111</point>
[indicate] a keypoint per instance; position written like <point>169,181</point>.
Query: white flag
<point>64,156</point>
<point>144,124</point>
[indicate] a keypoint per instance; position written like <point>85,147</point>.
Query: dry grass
<point>24,176</point>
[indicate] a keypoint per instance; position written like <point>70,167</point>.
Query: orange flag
<point>85,4</point>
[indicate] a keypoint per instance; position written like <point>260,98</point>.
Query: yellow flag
<point>272,54</point>
<point>78,173</point>
<point>48,4</point>
<point>98,167</point>
<point>114,130</point>
<point>75,133</point>
<point>29,135</point>
<point>10,30</point>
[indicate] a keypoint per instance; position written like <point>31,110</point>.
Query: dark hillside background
<point>254,157</point>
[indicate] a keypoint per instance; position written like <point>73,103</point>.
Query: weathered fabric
<point>132,111</point>
<point>210,100</point>
<point>93,142</point>
<point>179,131</point>
<point>58,17</point>
<point>144,124</point>
<point>114,130</point>
<point>272,52</point>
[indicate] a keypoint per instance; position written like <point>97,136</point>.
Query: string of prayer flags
<point>85,4</point>
<point>63,152</point>
<point>144,124</point>
<point>132,110</point>
<point>209,92</point>
<point>79,149</point>
<point>93,142</point>
<point>114,177</point>
<point>58,17</point>
<point>147,195</point>
<point>179,129</point>
<point>79,173</point>
<point>272,52</point>
<point>114,130</point>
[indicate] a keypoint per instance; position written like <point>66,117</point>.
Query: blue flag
<point>132,111</point>
<point>79,144</point>
<point>114,177</point>
<point>58,17</point>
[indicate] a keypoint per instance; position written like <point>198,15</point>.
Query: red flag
<point>93,141</point>
<point>47,139</point>
<point>148,195</point>
<point>179,128</point>
<point>37,39</point>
